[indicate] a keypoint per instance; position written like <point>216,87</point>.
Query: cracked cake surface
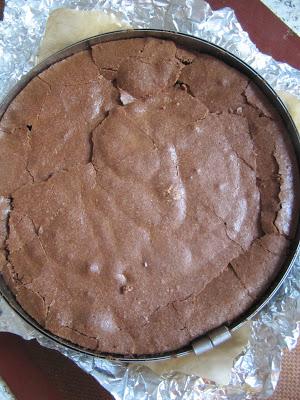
<point>148,195</point>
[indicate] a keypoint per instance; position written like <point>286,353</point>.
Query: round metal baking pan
<point>195,44</point>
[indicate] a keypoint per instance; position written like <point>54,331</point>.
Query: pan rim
<point>197,44</point>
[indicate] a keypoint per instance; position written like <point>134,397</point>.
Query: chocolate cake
<point>149,195</point>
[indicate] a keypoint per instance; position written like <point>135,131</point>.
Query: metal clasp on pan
<point>211,340</point>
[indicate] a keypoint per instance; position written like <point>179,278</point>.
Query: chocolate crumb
<point>126,288</point>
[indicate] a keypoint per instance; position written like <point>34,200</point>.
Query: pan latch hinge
<point>211,339</point>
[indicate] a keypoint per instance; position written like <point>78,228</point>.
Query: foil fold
<point>256,370</point>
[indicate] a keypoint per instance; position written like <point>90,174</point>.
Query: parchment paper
<point>66,26</point>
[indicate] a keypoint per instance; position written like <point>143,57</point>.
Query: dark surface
<point>34,373</point>
<point>267,31</point>
<point>1,9</point>
<point>44,374</point>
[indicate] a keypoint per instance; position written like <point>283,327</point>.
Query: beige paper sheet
<point>293,105</point>
<point>214,365</point>
<point>65,27</point>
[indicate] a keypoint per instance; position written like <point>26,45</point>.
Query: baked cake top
<point>149,194</point>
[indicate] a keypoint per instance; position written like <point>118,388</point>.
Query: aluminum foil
<point>256,370</point>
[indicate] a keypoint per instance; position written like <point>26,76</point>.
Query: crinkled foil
<point>256,370</point>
